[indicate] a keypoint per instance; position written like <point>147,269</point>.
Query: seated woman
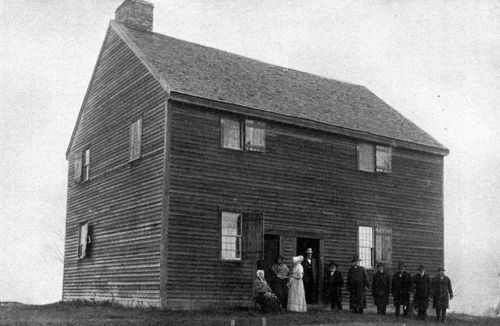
<point>263,294</point>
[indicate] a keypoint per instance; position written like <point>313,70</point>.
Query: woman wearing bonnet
<point>296,293</point>
<point>264,296</point>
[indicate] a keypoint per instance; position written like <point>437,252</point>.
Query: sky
<point>435,61</point>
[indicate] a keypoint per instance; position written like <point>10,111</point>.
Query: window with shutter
<point>135,140</point>
<point>366,157</point>
<point>83,240</point>
<point>255,135</point>
<point>383,158</point>
<point>231,133</point>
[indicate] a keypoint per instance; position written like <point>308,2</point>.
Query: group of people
<point>293,290</point>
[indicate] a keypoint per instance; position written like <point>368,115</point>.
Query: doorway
<point>271,253</point>
<point>314,244</point>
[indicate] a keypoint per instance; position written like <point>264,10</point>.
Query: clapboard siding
<point>306,182</point>
<point>123,200</point>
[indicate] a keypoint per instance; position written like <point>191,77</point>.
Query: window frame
<point>85,174</point>
<point>372,248</point>
<point>245,144</point>
<point>238,236</point>
<point>375,166</point>
<point>135,143</point>
<point>82,254</point>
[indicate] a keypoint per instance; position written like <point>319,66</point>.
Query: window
<point>83,240</point>
<point>374,158</point>
<point>82,166</point>
<point>231,133</point>
<point>135,140</point>
<point>366,248</point>
<point>231,236</point>
<point>375,245</point>
<point>253,133</point>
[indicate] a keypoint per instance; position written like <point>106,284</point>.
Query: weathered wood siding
<point>122,201</point>
<point>307,184</point>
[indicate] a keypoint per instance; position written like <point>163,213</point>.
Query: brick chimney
<point>136,14</point>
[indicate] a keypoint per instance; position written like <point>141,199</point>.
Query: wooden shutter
<point>253,236</point>
<point>366,157</point>
<point>231,133</point>
<point>135,139</point>
<point>383,245</point>
<point>78,167</point>
<point>255,135</point>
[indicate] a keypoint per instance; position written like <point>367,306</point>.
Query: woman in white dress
<point>296,293</point>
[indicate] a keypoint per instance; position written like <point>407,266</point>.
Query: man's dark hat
<point>421,267</point>
<point>355,258</point>
<point>332,263</point>
<point>440,269</point>
<point>380,265</point>
<point>401,264</point>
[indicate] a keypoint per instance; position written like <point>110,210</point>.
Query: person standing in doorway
<point>422,286</point>
<point>381,289</point>
<point>401,287</point>
<point>441,294</point>
<point>310,276</point>
<point>333,286</point>
<point>357,283</point>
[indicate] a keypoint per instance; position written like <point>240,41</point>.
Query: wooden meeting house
<point>188,165</point>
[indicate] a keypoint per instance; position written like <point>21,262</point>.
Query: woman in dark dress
<point>280,281</point>
<point>263,294</point>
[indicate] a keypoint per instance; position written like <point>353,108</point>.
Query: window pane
<point>231,236</point>
<point>255,133</point>
<point>87,157</point>
<point>384,159</point>
<point>366,157</point>
<point>231,133</point>
<point>365,238</point>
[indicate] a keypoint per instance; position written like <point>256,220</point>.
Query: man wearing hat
<point>381,289</point>
<point>310,276</point>
<point>357,282</point>
<point>422,286</point>
<point>401,286</point>
<point>333,286</point>
<point>441,294</point>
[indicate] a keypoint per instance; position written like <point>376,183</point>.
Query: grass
<point>108,314</point>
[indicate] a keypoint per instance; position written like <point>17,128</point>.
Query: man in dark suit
<point>357,283</point>
<point>401,286</point>
<point>422,286</point>
<point>310,276</point>
<point>442,293</point>
<point>333,287</point>
<point>381,289</point>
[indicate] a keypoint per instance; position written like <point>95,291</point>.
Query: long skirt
<point>280,288</point>
<point>268,303</point>
<point>296,296</point>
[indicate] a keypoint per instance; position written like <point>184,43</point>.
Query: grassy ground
<point>78,314</point>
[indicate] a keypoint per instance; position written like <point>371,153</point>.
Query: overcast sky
<point>436,62</point>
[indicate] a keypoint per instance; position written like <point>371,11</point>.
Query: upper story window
<point>83,240</point>
<point>82,165</point>
<point>135,140</point>
<point>243,134</point>
<point>231,236</point>
<point>374,158</point>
